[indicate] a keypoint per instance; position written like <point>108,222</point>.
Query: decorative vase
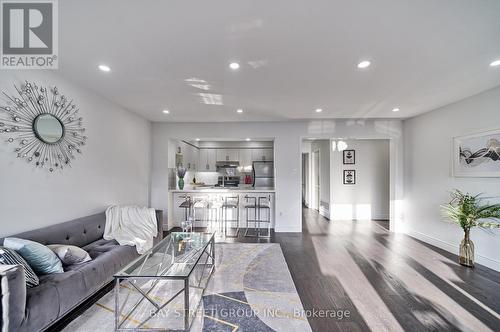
<point>181,183</point>
<point>466,256</point>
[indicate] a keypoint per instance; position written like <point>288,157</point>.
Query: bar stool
<point>264,204</point>
<point>251,204</point>
<point>186,205</point>
<point>200,202</point>
<point>231,203</point>
<point>214,209</point>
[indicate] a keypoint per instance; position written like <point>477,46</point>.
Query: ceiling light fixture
<point>104,68</point>
<point>319,110</point>
<point>247,139</point>
<point>197,140</point>
<point>239,110</point>
<point>166,111</point>
<point>234,65</point>
<point>395,109</point>
<point>364,64</point>
<point>495,63</point>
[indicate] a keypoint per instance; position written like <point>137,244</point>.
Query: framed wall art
<point>349,157</point>
<point>349,176</point>
<point>477,155</point>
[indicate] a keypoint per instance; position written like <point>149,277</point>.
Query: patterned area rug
<point>251,289</point>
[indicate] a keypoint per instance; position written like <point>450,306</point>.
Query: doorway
<point>305,179</point>
<point>315,180</point>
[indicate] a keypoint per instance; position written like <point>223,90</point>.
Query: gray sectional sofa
<point>38,308</point>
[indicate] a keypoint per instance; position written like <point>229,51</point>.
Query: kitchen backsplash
<point>208,178</point>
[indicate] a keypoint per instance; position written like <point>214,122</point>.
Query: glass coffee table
<point>147,290</point>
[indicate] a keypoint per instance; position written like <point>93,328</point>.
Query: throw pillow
<point>10,257</point>
<point>39,257</point>
<point>70,255</point>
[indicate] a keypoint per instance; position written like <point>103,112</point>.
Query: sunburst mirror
<point>43,125</point>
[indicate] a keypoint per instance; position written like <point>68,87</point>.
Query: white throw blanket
<point>131,225</point>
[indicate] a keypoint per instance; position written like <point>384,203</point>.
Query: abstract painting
<point>477,155</point>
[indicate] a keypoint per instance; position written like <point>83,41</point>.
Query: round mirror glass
<point>48,128</point>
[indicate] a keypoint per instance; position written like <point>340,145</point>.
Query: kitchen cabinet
<point>190,156</point>
<point>227,154</point>
<point>262,154</point>
<point>206,160</point>
<point>245,159</point>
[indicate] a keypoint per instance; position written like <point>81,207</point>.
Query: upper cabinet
<point>227,155</point>
<point>245,159</point>
<point>189,156</point>
<point>206,161</point>
<point>262,154</point>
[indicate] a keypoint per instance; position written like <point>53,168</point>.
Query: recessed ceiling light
<point>234,65</point>
<point>239,110</point>
<point>104,68</point>
<point>247,139</point>
<point>495,63</point>
<point>364,64</point>
<point>395,109</point>
<point>166,111</point>
<point>319,110</point>
<point>197,140</point>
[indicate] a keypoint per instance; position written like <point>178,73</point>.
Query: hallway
<point>385,281</point>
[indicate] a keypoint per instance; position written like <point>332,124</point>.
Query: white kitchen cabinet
<point>190,156</point>
<point>227,154</point>
<point>262,154</point>
<point>206,160</point>
<point>245,159</point>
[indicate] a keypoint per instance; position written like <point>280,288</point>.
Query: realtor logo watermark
<point>29,38</point>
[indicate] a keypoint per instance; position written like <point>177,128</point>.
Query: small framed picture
<point>349,157</point>
<point>349,176</point>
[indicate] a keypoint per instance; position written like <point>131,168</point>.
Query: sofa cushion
<point>70,255</point>
<point>41,259</point>
<point>70,288</point>
<point>10,257</point>
<point>108,257</point>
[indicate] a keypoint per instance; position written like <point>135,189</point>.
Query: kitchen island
<point>176,214</point>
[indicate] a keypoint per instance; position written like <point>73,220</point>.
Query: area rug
<point>251,289</point>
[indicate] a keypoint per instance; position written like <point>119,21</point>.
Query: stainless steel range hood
<point>227,164</point>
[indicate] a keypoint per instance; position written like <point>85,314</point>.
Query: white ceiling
<point>295,56</point>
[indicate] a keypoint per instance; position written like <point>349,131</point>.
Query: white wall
<point>428,153</point>
<point>114,167</point>
<point>369,197</point>
<point>287,156</point>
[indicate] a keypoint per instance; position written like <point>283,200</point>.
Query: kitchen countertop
<point>222,190</point>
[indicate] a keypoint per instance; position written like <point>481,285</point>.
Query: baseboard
<point>453,248</point>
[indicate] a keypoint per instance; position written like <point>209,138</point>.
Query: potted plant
<point>470,211</point>
<point>181,172</point>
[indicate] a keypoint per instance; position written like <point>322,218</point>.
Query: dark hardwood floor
<point>385,281</point>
